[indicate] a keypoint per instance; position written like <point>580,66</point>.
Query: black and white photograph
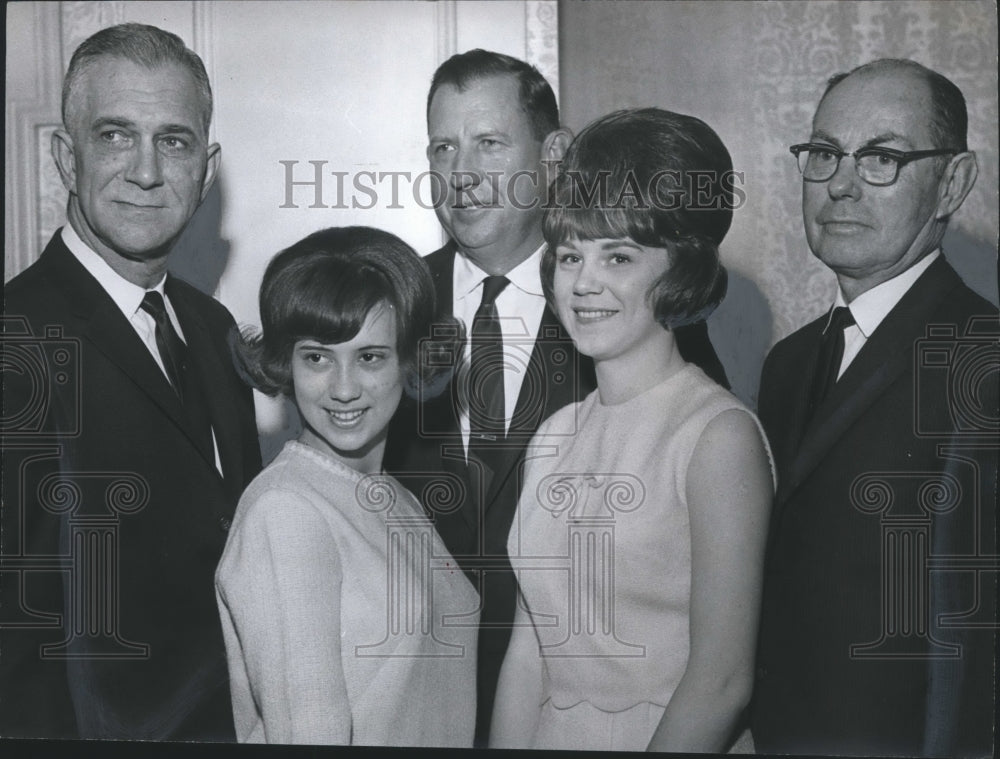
<point>562,375</point>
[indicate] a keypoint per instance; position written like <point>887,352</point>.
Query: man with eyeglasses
<point>879,612</point>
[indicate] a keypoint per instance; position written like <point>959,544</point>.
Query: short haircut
<point>661,179</point>
<point>143,45</point>
<point>536,96</point>
<point>949,116</point>
<point>323,288</point>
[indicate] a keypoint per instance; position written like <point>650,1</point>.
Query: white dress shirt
<point>519,308</point>
<point>128,297</point>
<point>872,306</point>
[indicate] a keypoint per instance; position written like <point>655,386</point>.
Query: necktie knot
<point>152,304</point>
<point>830,355</point>
<point>841,319</point>
<point>492,287</point>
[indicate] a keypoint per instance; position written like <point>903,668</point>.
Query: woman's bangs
<point>333,310</point>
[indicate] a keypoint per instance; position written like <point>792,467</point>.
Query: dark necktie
<point>184,379</point>
<point>831,353</point>
<point>168,342</point>
<point>487,410</point>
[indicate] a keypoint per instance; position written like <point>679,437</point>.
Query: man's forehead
<point>867,105</point>
<point>113,86</point>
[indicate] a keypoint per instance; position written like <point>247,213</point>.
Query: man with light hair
<point>117,503</point>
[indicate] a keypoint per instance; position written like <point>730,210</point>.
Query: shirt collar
<point>525,276</point>
<point>126,295</point>
<point>872,306</point>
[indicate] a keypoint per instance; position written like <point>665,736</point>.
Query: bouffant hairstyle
<point>323,288</point>
<point>662,179</point>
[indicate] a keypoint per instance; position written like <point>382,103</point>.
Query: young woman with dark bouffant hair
<point>334,633</point>
<point>660,486</point>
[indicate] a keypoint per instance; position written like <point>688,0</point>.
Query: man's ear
<point>65,158</point>
<point>554,147</point>
<point>956,182</point>
<point>556,143</point>
<point>211,168</point>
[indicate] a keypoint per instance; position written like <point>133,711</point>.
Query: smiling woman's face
<point>347,392</point>
<point>601,290</point>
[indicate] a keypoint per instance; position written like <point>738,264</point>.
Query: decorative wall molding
<point>30,118</point>
<point>446,21</point>
<point>541,39</point>
<point>203,43</point>
<point>82,19</point>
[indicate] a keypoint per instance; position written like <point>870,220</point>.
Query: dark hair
<point>536,96</point>
<point>143,45</point>
<point>949,123</point>
<point>323,288</point>
<point>662,179</point>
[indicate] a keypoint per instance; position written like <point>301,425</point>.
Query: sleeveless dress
<point>602,546</point>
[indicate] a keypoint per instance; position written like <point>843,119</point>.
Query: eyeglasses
<point>877,166</point>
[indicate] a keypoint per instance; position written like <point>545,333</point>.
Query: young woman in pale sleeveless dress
<point>639,537</point>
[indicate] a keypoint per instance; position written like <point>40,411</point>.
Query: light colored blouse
<point>335,594</point>
<point>602,542</point>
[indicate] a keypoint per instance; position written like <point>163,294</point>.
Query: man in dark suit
<point>127,435</point>
<point>879,608</point>
<point>495,141</point>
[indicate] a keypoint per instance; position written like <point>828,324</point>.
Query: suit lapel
<point>439,416</point>
<point>541,394</point>
<point>104,325</point>
<point>441,264</point>
<point>796,411</point>
<point>206,358</point>
<point>556,375</point>
<point>886,356</point>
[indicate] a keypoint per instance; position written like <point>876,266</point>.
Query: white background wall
<point>340,82</point>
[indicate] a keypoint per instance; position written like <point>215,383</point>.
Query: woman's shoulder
<point>715,420</point>
<point>297,480</point>
<point>288,471</point>
<point>567,419</point>
<point>697,395</point>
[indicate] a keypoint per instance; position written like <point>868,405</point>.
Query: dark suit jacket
<point>473,506</point>
<point>113,518</point>
<point>893,481</point>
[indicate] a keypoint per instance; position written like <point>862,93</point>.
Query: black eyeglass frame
<point>900,158</point>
